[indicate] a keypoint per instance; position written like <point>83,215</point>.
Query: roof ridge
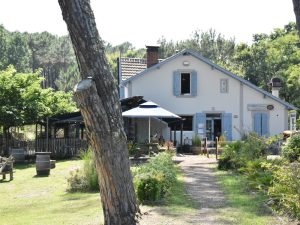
<point>221,69</point>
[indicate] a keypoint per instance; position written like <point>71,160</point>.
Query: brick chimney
<point>152,55</point>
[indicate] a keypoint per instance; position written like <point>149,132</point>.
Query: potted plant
<point>196,142</point>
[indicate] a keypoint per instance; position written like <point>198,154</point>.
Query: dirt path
<point>202,187</point>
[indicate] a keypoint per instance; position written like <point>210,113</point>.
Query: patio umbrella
<point>147,110</point>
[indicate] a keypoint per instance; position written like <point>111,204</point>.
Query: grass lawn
<point>247,208</point>
<point>29,200</point>
<point>32,200</point>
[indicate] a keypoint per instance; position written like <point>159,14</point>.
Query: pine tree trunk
<point>296,4</point>
<point>97,98</point>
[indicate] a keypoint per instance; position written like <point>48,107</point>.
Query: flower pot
<point>196,150</point>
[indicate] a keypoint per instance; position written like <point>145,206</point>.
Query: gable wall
<point>157,85</point>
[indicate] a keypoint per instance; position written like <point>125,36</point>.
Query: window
<point>224,85</point>
<point>187,123</point>
<point>185,83</point>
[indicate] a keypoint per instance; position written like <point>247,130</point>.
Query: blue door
<point>261,124</point>
<point>199,121</point>
<point>227,126</point>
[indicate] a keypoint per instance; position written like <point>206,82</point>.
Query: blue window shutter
<point>176,83</point>
<point>227,125</point>
<point>194,83</point>
<point>257,123</point>
<point>199,118</point>
<point>264,124</point>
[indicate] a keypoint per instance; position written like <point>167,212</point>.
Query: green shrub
<point>149,189</point>
<point>237,154</point>
<point>291,150</point>
<point>89,170</point>
<point>259,172</point>
<point>77,182</point>
<point>196,141</point>
<point>273,144</point>
<point>285,192</point>
<point>159,169</point>
<point>133,149</point>
<point>229,158</point>
<point>85,178</point>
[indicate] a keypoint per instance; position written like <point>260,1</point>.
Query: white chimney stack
<point>275,85</point>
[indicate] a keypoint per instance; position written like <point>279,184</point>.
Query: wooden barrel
<point>52,164</point>
<point>43,163</point>
<point>18,154</point>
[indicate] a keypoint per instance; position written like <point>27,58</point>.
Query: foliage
<point>210,44</point>
<point>157,176</point>
<point>23,101</point>
<point>133,149</point>
<point>229,158</point>
<point>247,207</point>
<point>237,154</point>
<point>285,192</point>
<point>68,78</point>
<point>86,178</point>
<point>125,49</point>
<point>259,172</point>
<point>272,55</point>
<point>149,189</point>
<point>276,177</point>
<point>196,141</point>
<point>291,150</point>
<point>273,144</point>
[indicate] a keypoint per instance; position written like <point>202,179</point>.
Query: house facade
<point>212,100</point>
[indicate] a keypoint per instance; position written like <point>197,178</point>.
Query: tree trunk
<point>296,4</point>
<point>97,98</point>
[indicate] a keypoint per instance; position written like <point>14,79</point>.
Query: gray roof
<point>215,66</point>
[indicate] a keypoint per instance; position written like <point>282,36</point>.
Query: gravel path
<point>202,187</point>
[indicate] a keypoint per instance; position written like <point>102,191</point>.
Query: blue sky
<point>144,22</point>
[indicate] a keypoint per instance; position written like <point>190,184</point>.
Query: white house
<point>212,100</point>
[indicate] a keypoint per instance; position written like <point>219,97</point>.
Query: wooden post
<point>47,134</point>
<point>217,150</point>
<point>181,135</point>
<point>207,151</point>
<point>175,136</point>
<point>205,147</point>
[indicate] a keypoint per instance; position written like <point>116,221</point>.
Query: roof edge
<point>221,69</point>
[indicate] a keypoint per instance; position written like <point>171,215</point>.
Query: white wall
<point>157,85</point>
<point>277,117</point>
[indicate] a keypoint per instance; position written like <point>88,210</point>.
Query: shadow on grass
<point>73,196</point>
<point>240,197</point>
<point>41,176</point>
<point>6,181</point>
<point>25,165</point>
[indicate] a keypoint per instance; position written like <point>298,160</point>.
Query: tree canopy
<point>23,101</point>
<point>275,54</point>
<point>272,55</point>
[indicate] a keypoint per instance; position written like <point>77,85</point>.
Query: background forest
<point>275,54</point>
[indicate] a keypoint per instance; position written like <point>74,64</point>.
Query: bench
<point>6,167</point>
